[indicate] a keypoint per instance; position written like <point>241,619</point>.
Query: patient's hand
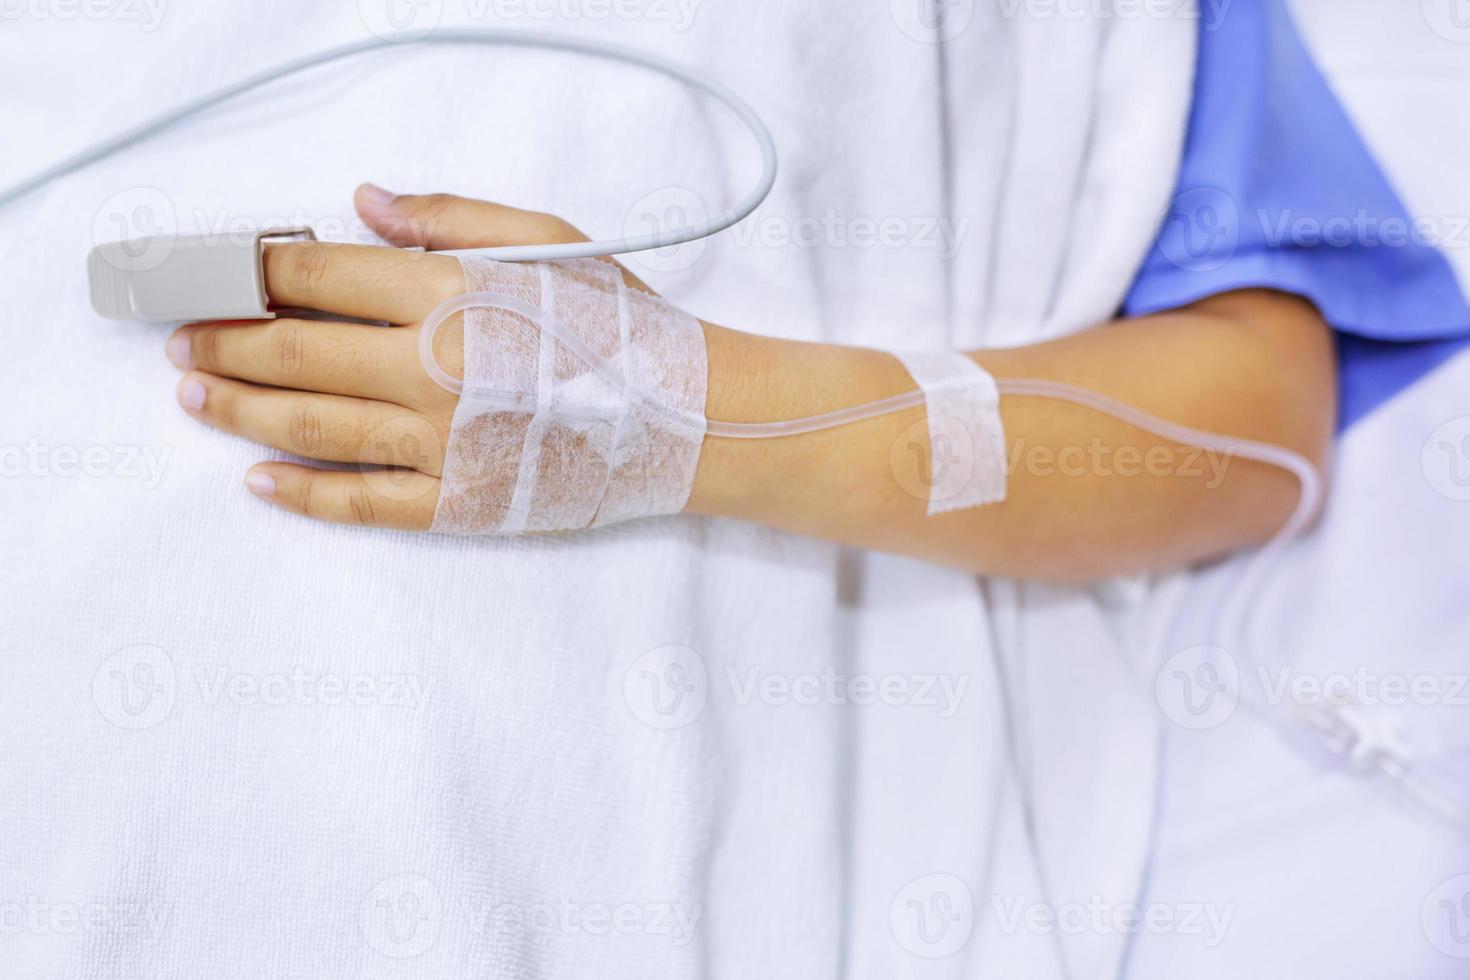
<point>1253,364</point>
<point>347,392</point>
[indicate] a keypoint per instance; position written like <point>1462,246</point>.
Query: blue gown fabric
<point>1277,189</point>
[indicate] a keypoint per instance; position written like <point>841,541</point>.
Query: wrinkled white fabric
<point>1257,818</point>
<point>575,450</point>
<point>544,730</point>
<point>594,720</point>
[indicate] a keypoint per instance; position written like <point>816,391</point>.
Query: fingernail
<point>260,484</point>
<point>191,394</point>
<point>177,351</point>
<point>376,195</point>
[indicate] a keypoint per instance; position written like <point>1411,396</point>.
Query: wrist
<point>759,379</point>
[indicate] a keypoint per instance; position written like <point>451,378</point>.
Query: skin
<point>1088,496</point>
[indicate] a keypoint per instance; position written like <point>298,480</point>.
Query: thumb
<point>441,221</point>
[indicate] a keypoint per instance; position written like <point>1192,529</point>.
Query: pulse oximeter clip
<point>185,277</point>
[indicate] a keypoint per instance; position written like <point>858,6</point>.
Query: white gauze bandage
<point>967,442</point>
<point>543,441</point>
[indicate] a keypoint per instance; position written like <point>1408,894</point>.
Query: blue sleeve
<point>1278,190</point>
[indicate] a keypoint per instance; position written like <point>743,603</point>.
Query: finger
<point>400,499</point>
<point>443,221</point>
<point>338,358</point>
<point>365,281</point>
<point>327,427</point>
<point>440,221</point>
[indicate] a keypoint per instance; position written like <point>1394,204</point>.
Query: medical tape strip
<point>967,443</point>
<point>540,440</point>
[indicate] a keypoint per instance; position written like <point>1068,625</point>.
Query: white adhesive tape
<point>543,441</point>
<point>967,444</point>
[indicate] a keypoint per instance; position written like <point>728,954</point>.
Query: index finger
<point>369,282</point>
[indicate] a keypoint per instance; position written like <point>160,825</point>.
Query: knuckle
<point>415,442</point>
<point>304,428</point>
<point>447,280</point>
<point>381,446</point>
<point>436,204</point>
<point>204,346</point>
<point>224,405</point>
<point>306,497</point>
<point>558,229</point>
<point>288,343</point>
<point>398,442</point>
<point>436,277</point>
<point>361,507</point>
<point>307,266</point>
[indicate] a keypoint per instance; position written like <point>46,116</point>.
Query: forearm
<point>1088,496</point>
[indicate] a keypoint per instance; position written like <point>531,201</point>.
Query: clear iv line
<point>1311,483</point>
<point>1235,609</point>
